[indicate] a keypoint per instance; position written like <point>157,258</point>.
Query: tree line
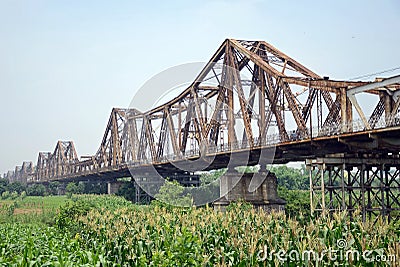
<point>15,189</point>
<point>293,186</point>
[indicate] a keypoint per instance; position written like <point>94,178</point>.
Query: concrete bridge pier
<point>259,189</point>
<point>61,189</point>
<point>113,187</point>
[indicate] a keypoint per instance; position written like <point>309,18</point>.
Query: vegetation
<point>15,189</point>
<point>92,230</point>
<point>293,186</point>
<point>297,202</point>
<point>291,178</point>
<point>29,209</point>
<point>172,193</point>
<point>36,190</point>
<point>110,231</point>
<point>73,188</point>
<point>127,190</point>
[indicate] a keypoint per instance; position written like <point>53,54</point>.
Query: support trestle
<point>368,185</point>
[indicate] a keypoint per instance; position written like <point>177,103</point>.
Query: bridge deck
<point>381,141</point>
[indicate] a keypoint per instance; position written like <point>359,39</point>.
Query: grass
<point>44,203</point>
<point>31,209</point>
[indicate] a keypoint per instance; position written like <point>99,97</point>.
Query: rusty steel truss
<point>22,173</point>
<point>248,97</point>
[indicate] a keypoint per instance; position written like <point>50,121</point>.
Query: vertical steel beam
<point>186,128</point>
<point>228,84</point>
<point>237,83</point>
<point>323,168</point>
<point>162,136</point>
<point>312,208</point>
<point>171,131</point>
<point>346,112</point>
<point>150,138</point>
<point>262,123</point>
<point>388,102</point>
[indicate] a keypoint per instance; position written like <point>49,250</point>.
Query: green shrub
<point>14,195</point>
<point>5,195</point>
<point>69,212</point>
<point>172,193</point>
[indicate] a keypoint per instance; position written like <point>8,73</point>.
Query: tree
<point>172,193</point>
<point>209,187</point>
<point>297,202</point>
<point>3,185</point>
<point>211,176</point>
<point>36,190</point>
<point>128,191</point>
<point>291,178</point>
<point>5,195</point>
<point>248,169</point>
<point>16,187</point>
<point>71,188</point>
<point>95,188</point>
<point>53,188</point>
<point>80,189</point>
<point>14,195</point>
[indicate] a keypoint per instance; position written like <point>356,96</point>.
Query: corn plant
<point>109,231</point>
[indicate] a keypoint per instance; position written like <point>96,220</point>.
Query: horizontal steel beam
<point>374,85</point>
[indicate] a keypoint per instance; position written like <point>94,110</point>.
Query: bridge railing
<point>353,127</point>
<point>274,139</point>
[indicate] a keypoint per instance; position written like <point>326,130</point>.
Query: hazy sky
<point>65,64</point>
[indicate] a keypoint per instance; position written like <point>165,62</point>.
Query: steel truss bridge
<point>249,98</point>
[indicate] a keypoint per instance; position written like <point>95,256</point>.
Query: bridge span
<point>252,104</point>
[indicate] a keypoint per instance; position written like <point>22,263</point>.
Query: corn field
<point>109,231</point>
